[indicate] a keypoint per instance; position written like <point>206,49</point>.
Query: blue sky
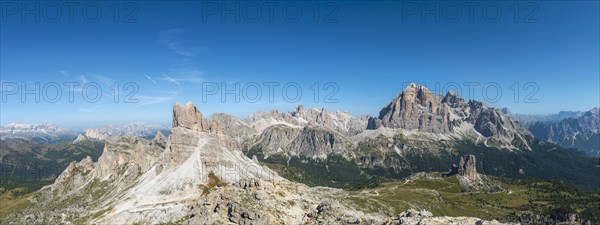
<point>363,53</point>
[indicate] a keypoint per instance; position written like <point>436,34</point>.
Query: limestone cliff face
<point>416,108</point>
<point>275,139</point>
<point>310,141</point>
<point>341,122</point>
<point>232,127</point>
<point>468,167</point>
<point>189,117</point>
<point>181,145</point>
<point>187,120</point>
<point>318,143</point>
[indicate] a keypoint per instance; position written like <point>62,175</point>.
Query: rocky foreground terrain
<point>225,170</point>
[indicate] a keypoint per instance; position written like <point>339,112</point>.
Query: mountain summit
<point>418,109</point>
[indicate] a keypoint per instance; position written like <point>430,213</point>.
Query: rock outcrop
<point>160,138</point>
<point>189,117</point>
<point>414,217</point>
<point>468,167</point>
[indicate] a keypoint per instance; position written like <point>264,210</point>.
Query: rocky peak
<point>593,112</point>
<point>160,136</point>
<point>416,108</point>
<point>95,134</point>
<point>85,165</point>
<point>453,99</point>
<point>299,110</point>
<point>468,167</point>
<point>323,117</point>
<point>160,139</point>
<point>506,111</point>
<point>418,93</point>
<point>189,117</point>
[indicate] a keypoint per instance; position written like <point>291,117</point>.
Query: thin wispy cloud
<point>174,40</point>
<point>183,74</point>
<point>150,78</point>
<point>151,100</point>
<point>170,80</point>
<point>83,79</point>
<point>103,79</point>
<point>64,72</point>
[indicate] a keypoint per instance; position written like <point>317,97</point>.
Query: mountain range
<point>287,167</point>
<point>42,133</point>
<point>52,133</point>
<point>580,132</point>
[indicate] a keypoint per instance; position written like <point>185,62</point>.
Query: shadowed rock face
<point>310,141</point>
<point>468,167</point>
<point>579,132</point>
<point>189,117</point>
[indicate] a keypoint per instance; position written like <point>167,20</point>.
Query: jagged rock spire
<point>468,167</point>
<point>189,117</point>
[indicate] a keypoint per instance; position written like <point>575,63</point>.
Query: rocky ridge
<point>341,122</point>
<point>137,181</point>
<point>575,132</point>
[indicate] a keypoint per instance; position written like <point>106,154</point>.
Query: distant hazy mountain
<point>581,132</point>
<point>138,129</point>
<point>533,118</point>
<point>42,133</point>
